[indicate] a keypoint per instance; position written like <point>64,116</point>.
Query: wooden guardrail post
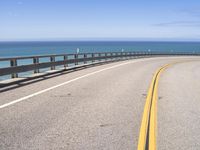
<point>76,59</point>
<point>132,54</point>
<point>114,56</point>
<point>121,55</point>
<point>111,56</point>
<point>52,59</point>
<point>105,56</point>
<point>36,61</point>
<point>93,57</point>
<point>13,63</point>
<point>85,57</point>
<point>141,54</point>
<point>128,55</point>
<point>99,56</point>
<point>118,56</point>
<point>65,59</point>
<point>124,54</point>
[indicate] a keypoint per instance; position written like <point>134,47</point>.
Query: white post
<point>77,50</point>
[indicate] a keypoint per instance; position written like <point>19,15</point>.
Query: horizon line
<point>99,40</point>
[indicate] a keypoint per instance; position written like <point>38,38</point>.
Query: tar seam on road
<point>62,84</point>
<point>148,129</point>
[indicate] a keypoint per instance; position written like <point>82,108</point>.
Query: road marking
<point>148,129</point>
<point>65,83</point>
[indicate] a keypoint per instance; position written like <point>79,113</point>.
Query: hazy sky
<point>99,19</point>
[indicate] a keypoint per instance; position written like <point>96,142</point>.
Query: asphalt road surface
<point>100,108</point>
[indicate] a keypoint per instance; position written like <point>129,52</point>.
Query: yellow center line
<point>148,129</point>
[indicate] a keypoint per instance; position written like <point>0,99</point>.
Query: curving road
<point>101,108</point>
<point>179,107</point>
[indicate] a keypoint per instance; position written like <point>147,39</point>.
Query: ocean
<point>12,49</point>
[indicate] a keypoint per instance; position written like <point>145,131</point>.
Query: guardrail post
<point>93,57</point>
<point>85,57</point>
<point>52,59</point>
<point>36,61</point>
<point>105,56</point>
<point>132,54</point>
<point>13,63</point>
<point>110,54</point>
<point>145,55</point>
<point>139,54</point>
<point>128,57</point>
<point>76,59</point>
<point>65,59</point>
<point>142,54</point>
<point>121,55</point>
<point>135,54</point>
<point>118,56</point>
<point>115,56</point>
<point>99,56</point>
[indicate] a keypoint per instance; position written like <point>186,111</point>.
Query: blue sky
<point>99,20</point>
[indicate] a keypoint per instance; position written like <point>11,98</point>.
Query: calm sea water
<point>9,49</point>
<point>12,49</point>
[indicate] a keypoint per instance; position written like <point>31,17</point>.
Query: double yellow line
<point>148,130</point>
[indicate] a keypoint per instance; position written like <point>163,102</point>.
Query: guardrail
<point>14,69</point>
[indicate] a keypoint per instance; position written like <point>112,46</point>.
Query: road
<point>101,108</point>
<point>178,107</point>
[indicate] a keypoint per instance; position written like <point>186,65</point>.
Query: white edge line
<point>56,86</point>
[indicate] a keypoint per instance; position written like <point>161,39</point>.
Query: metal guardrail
<point>67,59</point>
